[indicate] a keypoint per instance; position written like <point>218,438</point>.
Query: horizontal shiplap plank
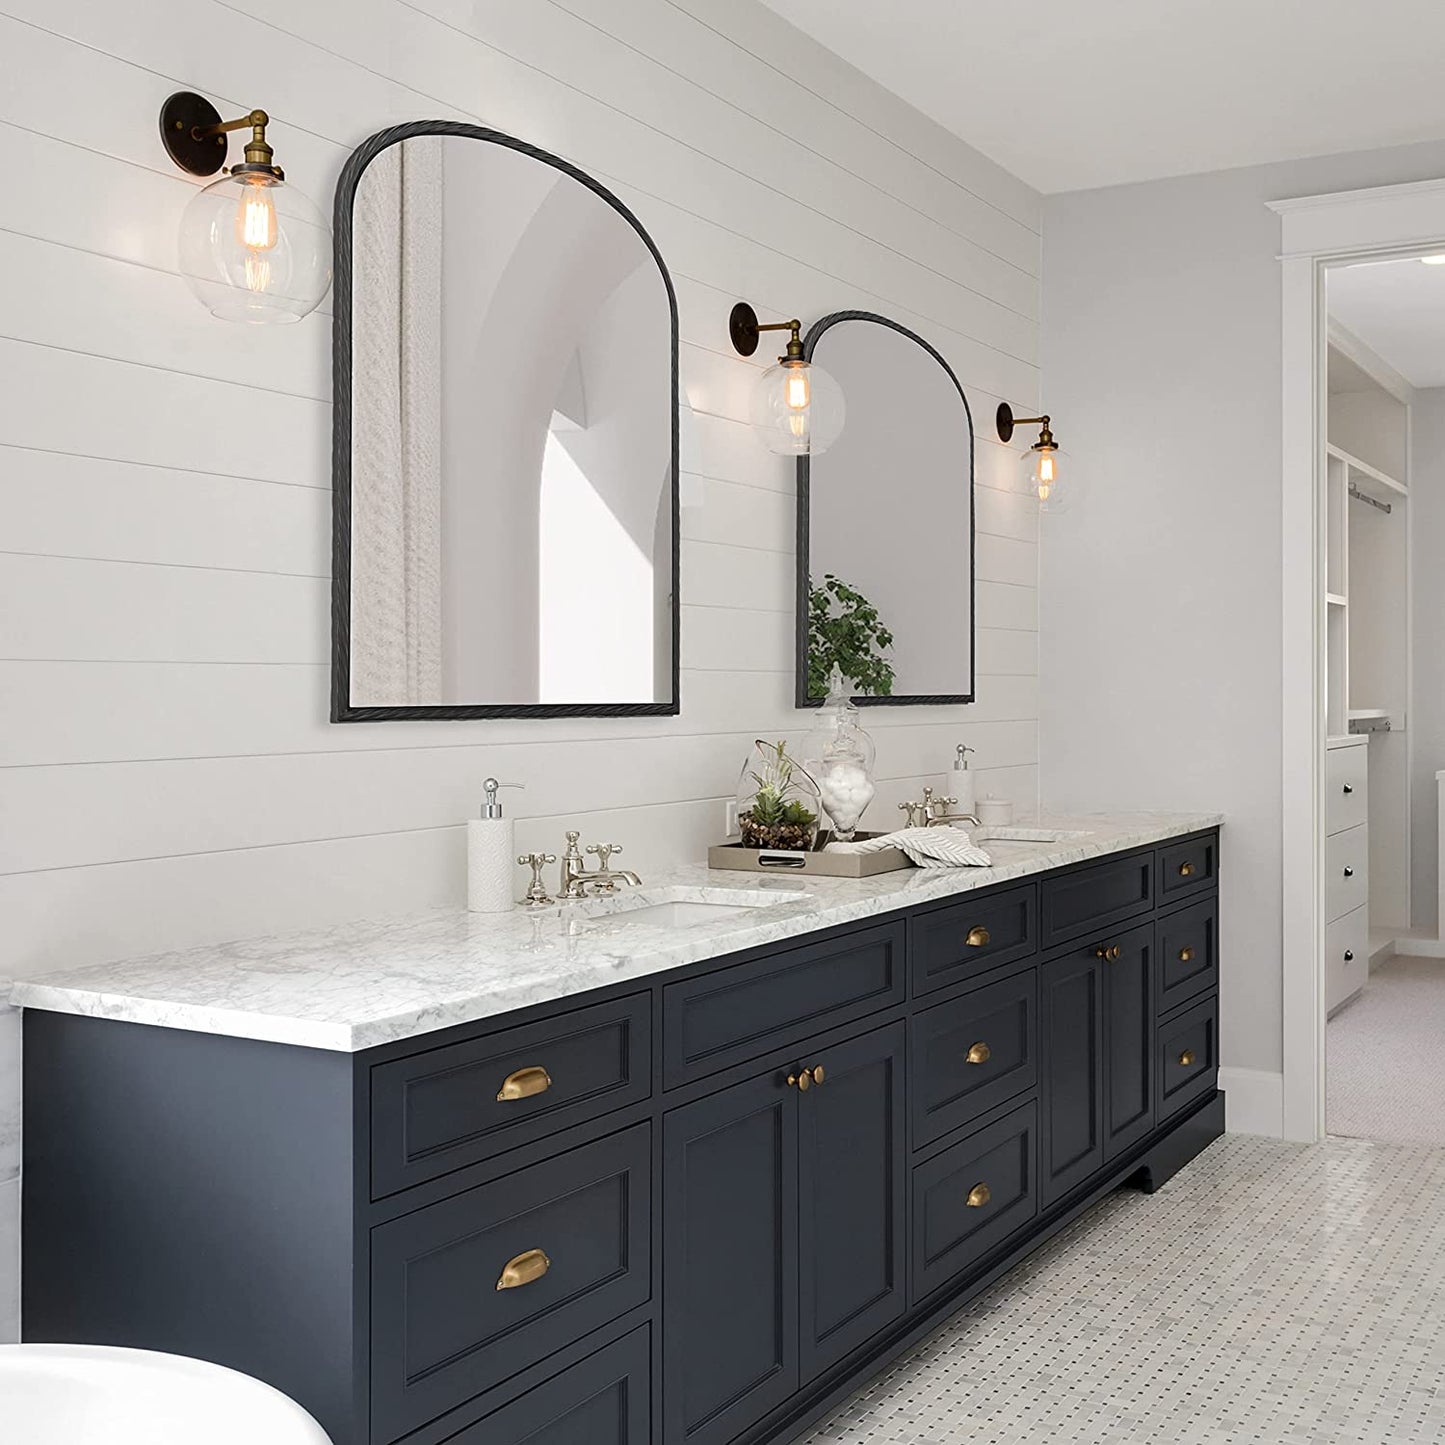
<point>80,712</point>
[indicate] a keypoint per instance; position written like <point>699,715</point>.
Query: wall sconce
<point>1045,473</point>
<point>252,248</point>
<point>797,407</point>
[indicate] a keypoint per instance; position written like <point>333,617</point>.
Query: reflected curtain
<point>396,430</point>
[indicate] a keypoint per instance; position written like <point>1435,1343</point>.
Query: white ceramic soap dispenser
<point>491,855</point>
<point>960,781</point>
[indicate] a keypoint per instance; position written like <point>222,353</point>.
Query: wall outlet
<point>731,818</point>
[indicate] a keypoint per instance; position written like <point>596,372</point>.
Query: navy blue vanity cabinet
<point>694,1208</point>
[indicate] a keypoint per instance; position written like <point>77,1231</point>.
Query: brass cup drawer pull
<point>1186,955</point>
<point>525,1268</point>
<point>978,1196</point>
<point>1186,870</point>
<point>1186,1058</point>
<point>524,1084</point>
<point>980,1053</point>
<point>978,937</point>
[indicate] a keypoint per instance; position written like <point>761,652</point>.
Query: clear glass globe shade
<point>254,249</point>
<point>797,409</point>
<point>1050,478</point>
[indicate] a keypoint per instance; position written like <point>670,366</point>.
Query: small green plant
<point>774,819</point>
<point>846,632</point>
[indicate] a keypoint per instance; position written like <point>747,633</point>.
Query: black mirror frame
<point>342,709</point>
<point>803,698</point>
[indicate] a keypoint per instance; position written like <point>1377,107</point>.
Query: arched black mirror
<point>506,438</point>
<point>885,523</point>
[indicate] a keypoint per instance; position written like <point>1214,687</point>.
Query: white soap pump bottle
<point>491,855</point>
<point>961,782</point>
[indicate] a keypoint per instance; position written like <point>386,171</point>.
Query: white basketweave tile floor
<point>1270,1292</point>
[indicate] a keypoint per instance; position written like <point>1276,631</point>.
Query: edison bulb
<point>254,249</point>
<point>1049,478</point>
<point>797,408</point>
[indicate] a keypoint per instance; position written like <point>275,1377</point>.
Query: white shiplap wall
<point>167,773</point>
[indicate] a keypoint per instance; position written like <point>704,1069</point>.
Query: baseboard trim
<point>1253,1102</point>
<point>1420,947</point>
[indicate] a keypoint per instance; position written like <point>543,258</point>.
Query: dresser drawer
<point>1347,956</point>
<point>602,1400</point>
<point>443,1109</point>
<point>983,932</point>
<point>1096,897</point>
<point>469,1291</point>
<point>738,1013</point>
<point>1188,1049</point>
<point>1347,872</point>
<point>1347,777</point>
<point>972,1196</point>
<point>972,1053</point>
<point>1187,958</point>
<point>1188,868</point>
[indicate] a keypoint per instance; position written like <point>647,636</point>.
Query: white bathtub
<point>96,1395</point>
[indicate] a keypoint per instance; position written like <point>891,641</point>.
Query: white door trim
<point>1317,231</point>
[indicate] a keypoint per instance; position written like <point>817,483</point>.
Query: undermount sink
<point>678,907</point>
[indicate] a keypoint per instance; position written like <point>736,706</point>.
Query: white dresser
<point>1347,868</point>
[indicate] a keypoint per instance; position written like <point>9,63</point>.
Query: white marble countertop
<point>358,985</point>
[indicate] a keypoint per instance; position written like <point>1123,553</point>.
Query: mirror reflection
<point>512,466</point>
<point>886,523</point>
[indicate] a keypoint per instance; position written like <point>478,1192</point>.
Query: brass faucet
<point>577,880</point>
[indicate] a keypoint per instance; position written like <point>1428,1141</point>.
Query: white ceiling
<point>1397,308</point>
<point>1070,94</point>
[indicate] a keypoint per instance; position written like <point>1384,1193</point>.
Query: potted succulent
<point>777,800</point>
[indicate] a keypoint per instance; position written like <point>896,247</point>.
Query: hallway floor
<point>1383,1077</point>
<point>1269,1293</point>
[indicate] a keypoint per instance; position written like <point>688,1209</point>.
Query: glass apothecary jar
<point>840,756</point>
<point>777,800</point>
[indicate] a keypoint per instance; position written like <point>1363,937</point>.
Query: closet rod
<point>1360,496</point>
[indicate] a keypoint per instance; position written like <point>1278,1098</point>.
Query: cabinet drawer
<point>602,1400</point>
<point>1347,872</point>
<point>1096,897</point>
<point>1188,868</point>
<point>440,1110</point>
<point>1188,1056</point>
<point>738,1013</point>
<point>972,1053</point>
<point>1188,954</point>
<point>460,1300</point>
<point>972,1196</point>
<point>1347,773</point>
<point>949,944</point>
<point>1347,956</point>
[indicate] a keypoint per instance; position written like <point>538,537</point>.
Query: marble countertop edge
<point>360,985</point>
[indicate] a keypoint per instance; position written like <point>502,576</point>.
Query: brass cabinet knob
<point>802,1080</point>
<point>977,937</point>
<point>1109,951</point>
<point>980,1053</point>
<point>524,1083</point>
<point>1186,870</point>
<point>1186,955</point>
<point>978,1196</point>
<point>1186,1058</point>
<point>523,1269</point>
<point>819,1075</point>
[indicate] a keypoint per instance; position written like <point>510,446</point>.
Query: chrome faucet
<point>933,812</point>
<point>577,880</point>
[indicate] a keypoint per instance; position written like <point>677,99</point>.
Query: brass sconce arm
<point>1006,421</point>
<point>195,136</point>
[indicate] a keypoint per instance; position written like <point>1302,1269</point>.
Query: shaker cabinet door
<point>1071,1060</point>
<point>730,1260</point>
<point>851,1157</point>
<point>1129,977</point>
